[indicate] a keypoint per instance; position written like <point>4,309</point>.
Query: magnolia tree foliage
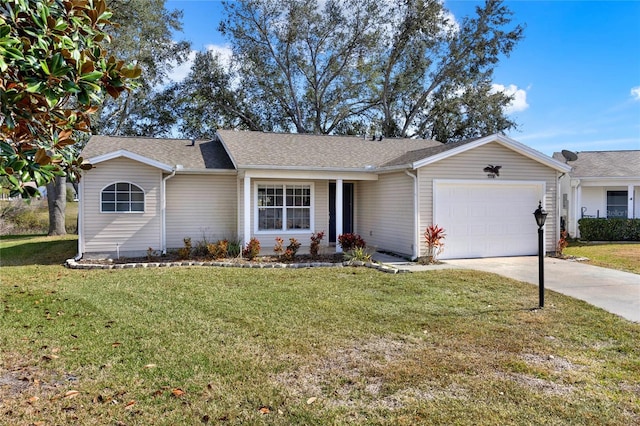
<point>401,68</point>
<point>54,75</point>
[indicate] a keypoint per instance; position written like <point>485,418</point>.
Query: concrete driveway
<point>614,291</point>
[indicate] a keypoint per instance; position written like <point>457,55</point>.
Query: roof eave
<point>502,140</point>
<point>132,156</point>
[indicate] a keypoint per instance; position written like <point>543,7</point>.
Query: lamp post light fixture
<point>541,217</point>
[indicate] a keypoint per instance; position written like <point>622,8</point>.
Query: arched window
<point>122,197</point>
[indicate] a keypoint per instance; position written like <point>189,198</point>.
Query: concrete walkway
<point>614,291</point>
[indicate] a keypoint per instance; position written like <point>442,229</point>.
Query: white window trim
<point>144,198</point>
<point>283,230</point>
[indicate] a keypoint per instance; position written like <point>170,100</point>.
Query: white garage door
<point>487,219</point>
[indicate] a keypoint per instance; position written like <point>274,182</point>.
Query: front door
<point>347,209</point>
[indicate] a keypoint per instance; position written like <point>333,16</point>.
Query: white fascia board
<point>609,181</point>
<point>206,172</point>
<point>132,156</point>
<point>504,141</point>
<point>320,174</point>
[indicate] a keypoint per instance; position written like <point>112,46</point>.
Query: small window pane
<point>122,187</point>
<point>108,207</point>
<point>122,196</point>
<point>108,196</point>
<point>298,218</point>
<point>137,207</point>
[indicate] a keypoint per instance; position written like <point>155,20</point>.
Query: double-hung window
<point>122,197</point>
<point>616,204</point>
<point>284,207</point>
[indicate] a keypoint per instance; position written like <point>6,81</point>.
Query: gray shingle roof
<point>604,163</point>
<point>420,154</point>
<point>305,151</point>
<point>205,154</point>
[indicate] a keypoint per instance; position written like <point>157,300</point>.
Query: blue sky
<point>576,73</point>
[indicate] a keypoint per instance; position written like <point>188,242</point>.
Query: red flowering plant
<point>434,235</point>
<point>350,241</point>
<point>252,250</point>
<point>316,239</point>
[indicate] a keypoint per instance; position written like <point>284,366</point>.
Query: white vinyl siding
<point>469,165</point>
<point>200,207</point>
<point>384,217</point>
<point>124,232</point>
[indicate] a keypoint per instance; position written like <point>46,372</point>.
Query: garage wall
<point>470,165</point>
<point>200,206</point>
<point>384,216</point>
<point>130,233</point>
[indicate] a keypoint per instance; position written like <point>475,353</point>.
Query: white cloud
<point>519,101</point>
<point>635,93</point>
<point>181,71</point>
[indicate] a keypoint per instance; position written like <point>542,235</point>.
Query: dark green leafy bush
<point>592,229</point>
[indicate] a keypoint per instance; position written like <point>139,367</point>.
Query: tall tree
<point>404,67</point>
<point>437,75</point>
<point>142,33</point>
<point>213,95</point>
<point>306,63</point>
<point>54,75</point>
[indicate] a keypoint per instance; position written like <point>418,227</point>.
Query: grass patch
<point>22,217</point>
<point>305,346</point>
<point>18,250</point>
<point>624,257</point>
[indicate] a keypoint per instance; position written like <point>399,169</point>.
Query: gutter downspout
<point>80,221</point>
<point>416,233</point>
<point>163,212</point>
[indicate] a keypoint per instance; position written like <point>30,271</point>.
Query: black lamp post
<point>541,217</point>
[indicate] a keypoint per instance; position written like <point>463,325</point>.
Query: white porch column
<point>339,213</point>
<point>578,214</point>
<point>247,211</point>
<point>630,203</point>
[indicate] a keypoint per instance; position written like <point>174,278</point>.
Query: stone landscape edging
<point>73,264</point>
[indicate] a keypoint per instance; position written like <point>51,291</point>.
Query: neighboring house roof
<point>204,154</point>
<point>603,164</point>
<point>306,151</point>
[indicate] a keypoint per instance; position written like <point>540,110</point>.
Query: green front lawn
<point>200,345</point>
<point>625,257</point>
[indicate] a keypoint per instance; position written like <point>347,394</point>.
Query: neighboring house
<point>152,193</point>
<point>600,184</point>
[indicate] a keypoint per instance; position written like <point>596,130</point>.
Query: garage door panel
<point>487,219</point>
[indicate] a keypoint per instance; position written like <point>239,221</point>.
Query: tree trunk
<point>57,201</point>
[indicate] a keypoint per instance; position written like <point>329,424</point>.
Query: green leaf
<point>71,87</point>
<point>13,53</point>
<point>34,86</point>
<point>5,30</point>
<point>92,76</point>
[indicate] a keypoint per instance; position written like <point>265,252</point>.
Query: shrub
<point>359,254</point>
<point>433,238</point>
<point>351,241</point>
<point>252,249</point>
<point>278,248</point>
<point>234,248</point>
<point>201,249</point>
<point>290,253</point>
<point>185,252</point>
<point>600,229</point>
<point>316,239</point>
<point>562,243</point>
<point>219,249</point>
